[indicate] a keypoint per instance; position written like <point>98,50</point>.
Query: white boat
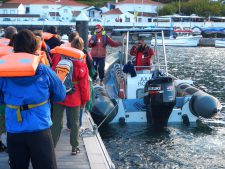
<point>153,95</point>
<point>220,43</point>
<point>180,38</point>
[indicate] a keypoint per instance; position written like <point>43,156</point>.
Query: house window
<point>127,19</point>
<point>149,19</point>
<point>27,10</point>
<point>65,10</point>
<point>139,19</point>
<point>45,7</point>
<point>5,11</point>
<point>12,11</point>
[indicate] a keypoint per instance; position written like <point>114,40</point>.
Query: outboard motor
<point>159,100</point>
<point>104,108</point>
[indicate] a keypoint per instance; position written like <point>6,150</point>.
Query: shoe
<point>2,147</point>
<point>101,84</point>
<point>75,150</point>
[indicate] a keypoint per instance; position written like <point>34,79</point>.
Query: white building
<point>147,6</point>
<point>50,9</point>
<point>112,15</point>
<point>12,8</point>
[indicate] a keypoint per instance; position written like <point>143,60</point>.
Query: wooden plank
<point>90,157</point>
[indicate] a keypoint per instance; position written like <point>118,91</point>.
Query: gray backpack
<point>64,71</point>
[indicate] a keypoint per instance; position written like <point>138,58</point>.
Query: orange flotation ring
<point>4,41</point>
<point>68,51</point>
<point>5,50</point>
<point>18,64</point>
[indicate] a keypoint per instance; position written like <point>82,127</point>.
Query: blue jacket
<point>19,91</point>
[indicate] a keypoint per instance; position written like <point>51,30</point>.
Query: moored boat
<point>220,43</point>
<point>153,95</point>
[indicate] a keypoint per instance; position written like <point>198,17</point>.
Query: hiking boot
<point>2,147</point>
<point>75,150</point>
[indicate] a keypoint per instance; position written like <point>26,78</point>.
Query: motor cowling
<point>160,98</point>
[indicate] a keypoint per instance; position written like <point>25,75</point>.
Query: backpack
<point>64,70</point>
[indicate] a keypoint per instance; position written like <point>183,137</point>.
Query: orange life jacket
<point>5,50</point>
<point>18,64</point>
<point>4,41</point>
<point>48,36</point>
<point>69,51</point>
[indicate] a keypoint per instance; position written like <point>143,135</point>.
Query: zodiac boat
<point>153,95</point>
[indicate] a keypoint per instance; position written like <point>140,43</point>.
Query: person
<point>71,37</point>
<point>10,31</point>
<point>78,43</point>
<point>143,54</point>
<point>28,110</point>
<point>53,40</point>
<point>42,48</point>
<point>98,43</point>
<point>72,103</point>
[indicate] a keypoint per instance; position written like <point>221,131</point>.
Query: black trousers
<point>99,64</point>
<point>35,146</point>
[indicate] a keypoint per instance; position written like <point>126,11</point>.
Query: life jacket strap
<point>75,82</point>
<point>24,107</point>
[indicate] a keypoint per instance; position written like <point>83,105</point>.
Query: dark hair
<point>10,31</point>
<point>78,43</point>
<point>73,35</point>
<point>25,41</point>
<point>39,33</point>
<point>52,29</point>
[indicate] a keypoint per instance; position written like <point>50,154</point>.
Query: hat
<point>99,26</point>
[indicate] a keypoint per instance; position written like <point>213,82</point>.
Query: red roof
<point>52,2</point>
<point>11,5</point>
<point>138,2</point>
<point>113,12</point>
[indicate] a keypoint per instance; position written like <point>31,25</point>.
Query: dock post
<point>82,27</point>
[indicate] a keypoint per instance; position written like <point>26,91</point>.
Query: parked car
<point>6,19</point>
<point>42,19</point>
<point>96,20</point>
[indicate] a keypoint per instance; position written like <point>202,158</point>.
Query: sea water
<point>138,146</point>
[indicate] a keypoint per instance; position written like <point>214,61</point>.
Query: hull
<point>220,43</point>
<point>189,41</point>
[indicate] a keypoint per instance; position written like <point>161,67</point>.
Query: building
<point>61,10</point>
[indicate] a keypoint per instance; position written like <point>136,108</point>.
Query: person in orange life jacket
<point>143,53</point>
<point>78,43</point>
<point>71,37</point>
<point>72,103</point>
<point>43,48</point>
<point>54,40</point>
<point>98,43</point>
<point>29,135</point>
<point>10,31</point>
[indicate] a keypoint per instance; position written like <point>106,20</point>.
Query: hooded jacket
<point>19,91</point>
<point>99,48</point>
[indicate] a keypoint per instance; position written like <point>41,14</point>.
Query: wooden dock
<point>93,154</point>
